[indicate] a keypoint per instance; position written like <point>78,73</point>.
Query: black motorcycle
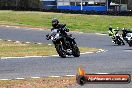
<point>62,44</point>
<point>127,36</point>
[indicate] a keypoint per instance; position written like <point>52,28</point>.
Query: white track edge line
<point>35,77</point>
<point>53,76</point>
<point>19,78</point>
<point>50,55</point>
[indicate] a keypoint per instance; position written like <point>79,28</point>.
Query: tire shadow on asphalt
<point>128,49</point>
<point>113,45</point>
<point>68,57</point>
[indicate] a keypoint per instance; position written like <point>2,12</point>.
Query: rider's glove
<point>67,30</point>
<point>48,37</point>
<point>110,34</point>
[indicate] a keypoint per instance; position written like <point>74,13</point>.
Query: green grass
<point>76,22</point>
<point>10,49</point>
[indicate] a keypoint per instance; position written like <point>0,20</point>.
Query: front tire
<point>60,51</point>
<point>130,43</point>
<point>75,51</point>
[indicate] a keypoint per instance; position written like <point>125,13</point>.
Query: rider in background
<point>112,32</point>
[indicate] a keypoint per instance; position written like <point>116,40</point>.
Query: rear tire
<point>118,40</point>
<point>60,51</point>
<point>119,43</point>
<point>122,42</point>
<point>130,43</point>
<point>75,51</point>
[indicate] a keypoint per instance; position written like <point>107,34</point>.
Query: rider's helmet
<point>55,22</point>
<point>117,29</point>
<point>123,28</point>
<point>110,28</point>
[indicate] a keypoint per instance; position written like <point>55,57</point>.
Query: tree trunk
<point>130,4</point>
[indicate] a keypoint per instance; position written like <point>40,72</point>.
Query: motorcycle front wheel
<point>130,43</point>
<point>75,51</point>
<point>60,51</point>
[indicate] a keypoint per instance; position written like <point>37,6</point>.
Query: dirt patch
<point>61,82</point>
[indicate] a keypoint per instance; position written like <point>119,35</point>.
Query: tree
<point>23,4</point>
<point>34,3</point>
<point>28,4</point>
<point>20,4</point>
<point>130,4</point>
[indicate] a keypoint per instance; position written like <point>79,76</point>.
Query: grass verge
<point>11,49</point>
<point>76,22</point>
<point>62,82</point>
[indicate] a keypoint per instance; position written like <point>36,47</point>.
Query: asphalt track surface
<point>118,59</point>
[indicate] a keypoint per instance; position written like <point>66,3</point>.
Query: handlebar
<point>48,36</point>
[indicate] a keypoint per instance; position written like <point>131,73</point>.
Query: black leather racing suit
<point>63,29</point>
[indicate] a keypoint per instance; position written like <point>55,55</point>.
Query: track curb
<point>36,77</point>
<point>14,41</point>
<point>99,51</point>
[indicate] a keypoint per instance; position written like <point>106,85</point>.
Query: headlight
<point>52,38</point>
<point>129,35</point>
<point>56,36</point>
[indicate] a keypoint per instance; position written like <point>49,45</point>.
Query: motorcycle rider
<point>64,43</point>
<point>56,25</point>
<point>62,28</point>
<point>112,33</point>
<point>125,31</point>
